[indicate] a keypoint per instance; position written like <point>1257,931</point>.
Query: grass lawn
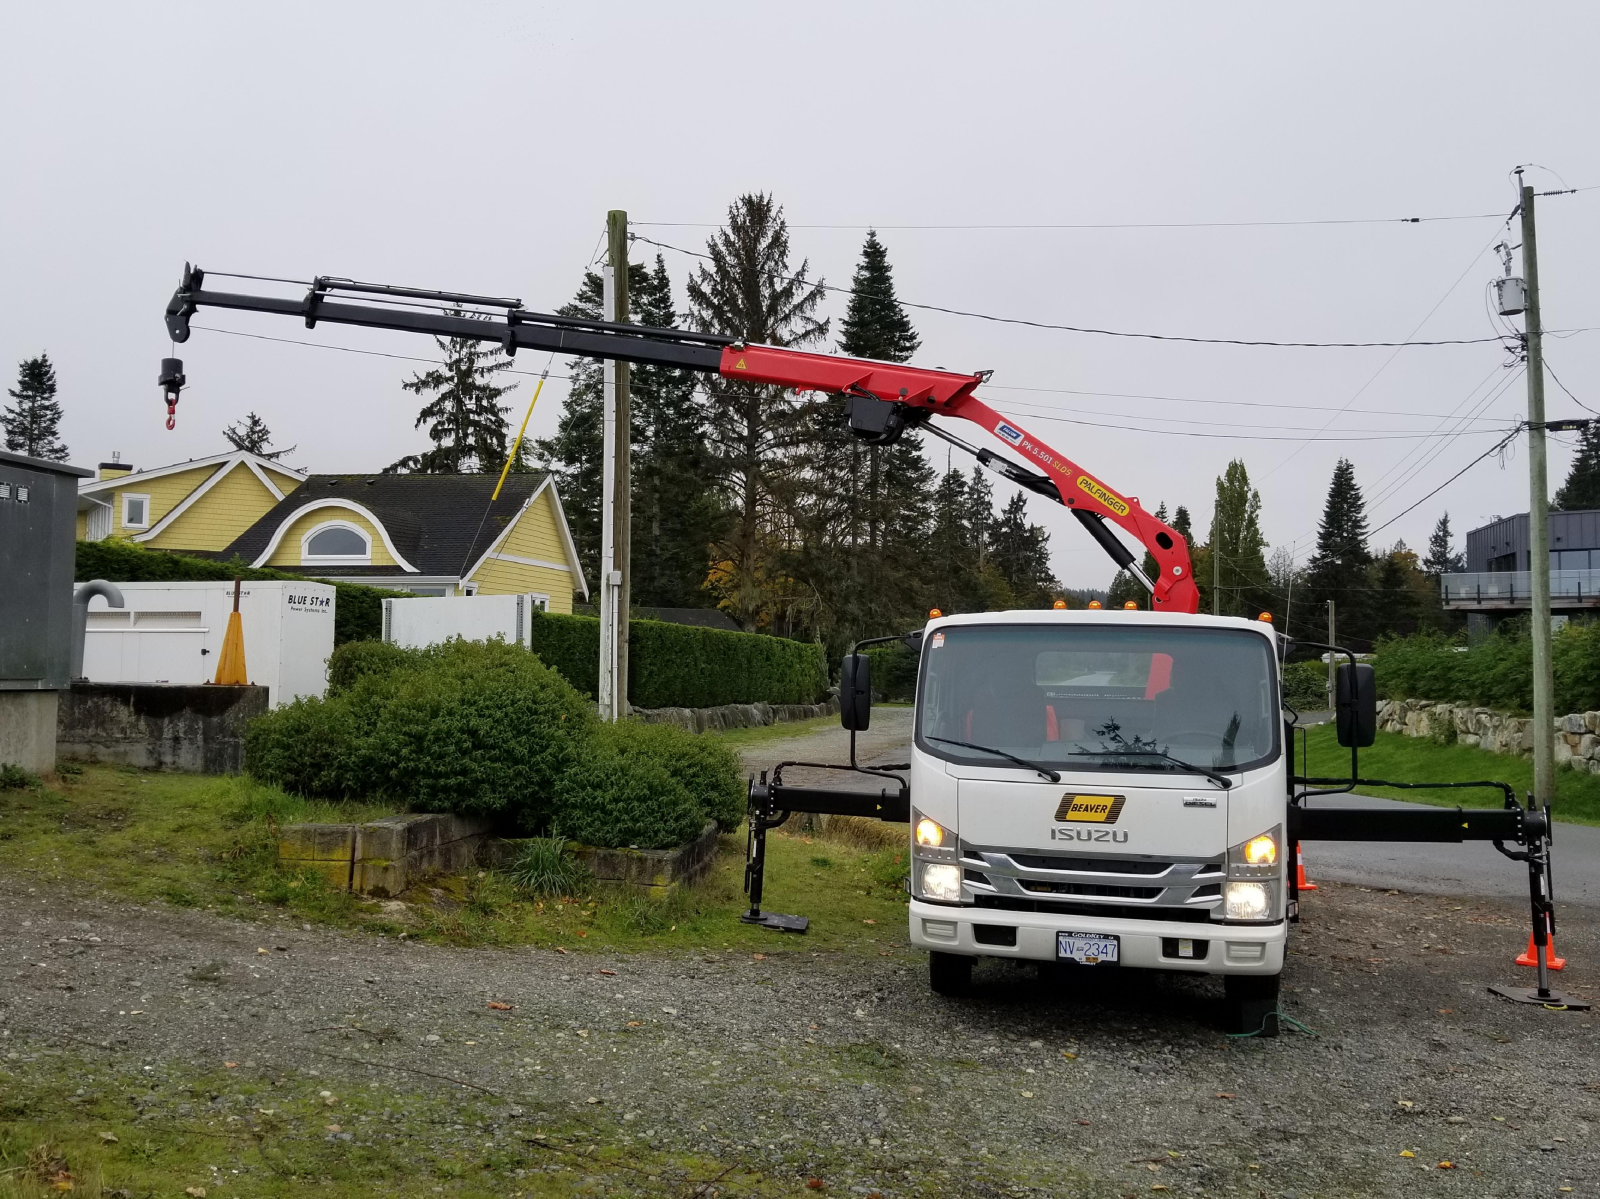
<point>208,842</point>
<point>90,1122</point>
<point>739,738</point>
<point>1418,760</point>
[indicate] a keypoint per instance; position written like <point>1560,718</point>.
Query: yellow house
<point>201,505</point>
<point>427,534</point>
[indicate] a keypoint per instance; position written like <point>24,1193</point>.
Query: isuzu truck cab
<point>1102,788</point>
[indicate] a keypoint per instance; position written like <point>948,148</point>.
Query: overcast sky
<point>477,147</point>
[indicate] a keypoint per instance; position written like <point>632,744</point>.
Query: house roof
<point>436,524</point>
<point>232,458</point>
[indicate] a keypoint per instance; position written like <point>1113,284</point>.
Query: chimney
<point>116,468</point>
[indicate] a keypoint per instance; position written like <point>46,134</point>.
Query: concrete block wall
<point>161,726</point>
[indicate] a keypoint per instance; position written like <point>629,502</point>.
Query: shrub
<point>706,767</point>
<point>1305,686</point>
<point>894,671</point>
<point>473,728</point>
<point>545,866</point>
<point>606,799</point>
<point>356,659</point>
<point>1497,672</point>
<point>684,666</point>
<point>357,611</point>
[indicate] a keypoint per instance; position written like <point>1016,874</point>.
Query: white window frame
<point>135,495</point>
<point>307,558</point>
<point>539,600</point>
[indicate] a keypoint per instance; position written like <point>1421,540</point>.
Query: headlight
<point>1254,889</point>
<point>930,837</point>
<point>1247,901</point>
<point>939,881</point>
<point>1261,851</point>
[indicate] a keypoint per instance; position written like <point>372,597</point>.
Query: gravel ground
<point>845,1067</point>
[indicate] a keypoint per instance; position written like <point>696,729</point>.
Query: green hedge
<point>1497,673</point>
<point>477,728</point>
<point>487,729</point>
<point>1305,686</point>
<point>357,612</point>
<point>684,666</point>
<point>894,671</point>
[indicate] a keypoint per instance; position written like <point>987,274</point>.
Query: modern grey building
<point>1497,582</point>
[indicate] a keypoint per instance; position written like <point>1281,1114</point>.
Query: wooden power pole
<point>622,483</point>
<point>1544,738</point>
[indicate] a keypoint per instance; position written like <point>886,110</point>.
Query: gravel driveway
<point>845,1068</point>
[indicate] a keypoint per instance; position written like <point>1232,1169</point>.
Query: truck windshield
<point>1085,697</point>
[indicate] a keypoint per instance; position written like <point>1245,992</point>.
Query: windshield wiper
<point>1220,780</point>
<point>1052,775</point>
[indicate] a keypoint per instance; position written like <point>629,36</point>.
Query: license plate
<point>1089,949</point>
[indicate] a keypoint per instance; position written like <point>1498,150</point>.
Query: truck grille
<point>1032,880</point>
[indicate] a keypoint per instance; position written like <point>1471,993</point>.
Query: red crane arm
<point>882,398</point>
<point>947,393</point>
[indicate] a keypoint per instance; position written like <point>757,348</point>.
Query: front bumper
<point>1230,948</point>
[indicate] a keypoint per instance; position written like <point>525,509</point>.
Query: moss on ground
<point>1405,759</point>
<point>209,843</point>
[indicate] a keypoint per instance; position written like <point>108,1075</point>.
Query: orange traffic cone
<point>1301,882</point>
<point>230,663</point>
<point>1530,956</point>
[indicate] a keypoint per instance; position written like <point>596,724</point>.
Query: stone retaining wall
<point>735,716</point>
<point>384,857</point>
<point>158,726</point>
<point>1577,734</point>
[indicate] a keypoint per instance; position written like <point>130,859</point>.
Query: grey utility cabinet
<point>38,525</point>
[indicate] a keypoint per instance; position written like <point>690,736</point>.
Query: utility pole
<point>1544,738</point>
<point>622,500</point>
<point>1332,664</point>
<point>615,486</point>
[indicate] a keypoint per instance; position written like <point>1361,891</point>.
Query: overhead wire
<point>1095,331</point>
<point>1392,220</point>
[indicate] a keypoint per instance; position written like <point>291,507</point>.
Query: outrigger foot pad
<point>1553,1000</point>
<point>778,922</point>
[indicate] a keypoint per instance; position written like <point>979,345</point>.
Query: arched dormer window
<point>336,543</point>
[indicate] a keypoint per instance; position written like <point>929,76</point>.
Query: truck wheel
<point>1252,1003</point>
<point>949,973</point>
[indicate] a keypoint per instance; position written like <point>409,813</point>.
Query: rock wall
<point>1577,734</point>
<point>735,716</point>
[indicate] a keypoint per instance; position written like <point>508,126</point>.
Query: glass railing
<point>1515,587</point>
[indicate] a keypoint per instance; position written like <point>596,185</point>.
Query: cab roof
<point>1106,617</point>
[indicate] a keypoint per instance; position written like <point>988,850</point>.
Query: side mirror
<point>913,641</point>
<point>1356,705</point>
<point>855,692</point>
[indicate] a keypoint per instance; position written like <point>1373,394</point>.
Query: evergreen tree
<point>253,435</point>
<point>465,418</point>
<point>957,581</point>
<point>1442,558</point>
<point>33,423</point>
<point>1021,553</point>
<point>1239,568</point>
<point>677,511</point>
<point>749,291</point>
<point>1339,569</point>
<point>1402,592</point>
<point>1582,488</point>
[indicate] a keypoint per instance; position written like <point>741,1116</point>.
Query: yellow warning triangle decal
<point>739,366</point>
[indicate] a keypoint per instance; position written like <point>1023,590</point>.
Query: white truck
<point>1105,788</point>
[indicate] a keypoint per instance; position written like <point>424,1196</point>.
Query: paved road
<point>1471,869</point>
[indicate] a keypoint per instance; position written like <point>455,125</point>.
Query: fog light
<point>1261,851</point>
<point>929,833</point>
<point>1245,901</point>
<point>940,881</point>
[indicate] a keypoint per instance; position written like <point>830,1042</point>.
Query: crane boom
<point>882,399</point>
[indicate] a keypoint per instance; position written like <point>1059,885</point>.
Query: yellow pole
<point>515,445</point>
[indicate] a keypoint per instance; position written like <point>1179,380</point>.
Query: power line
<point>1566,389</point>
<point>1212,423</point>
<point>1392,220</point>
<point>1066,420</point>
<point>1125,395</point>
<point>1089,329</point>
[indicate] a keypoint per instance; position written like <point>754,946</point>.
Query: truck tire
<point>949,973</point>
<point>1251,1004</point>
